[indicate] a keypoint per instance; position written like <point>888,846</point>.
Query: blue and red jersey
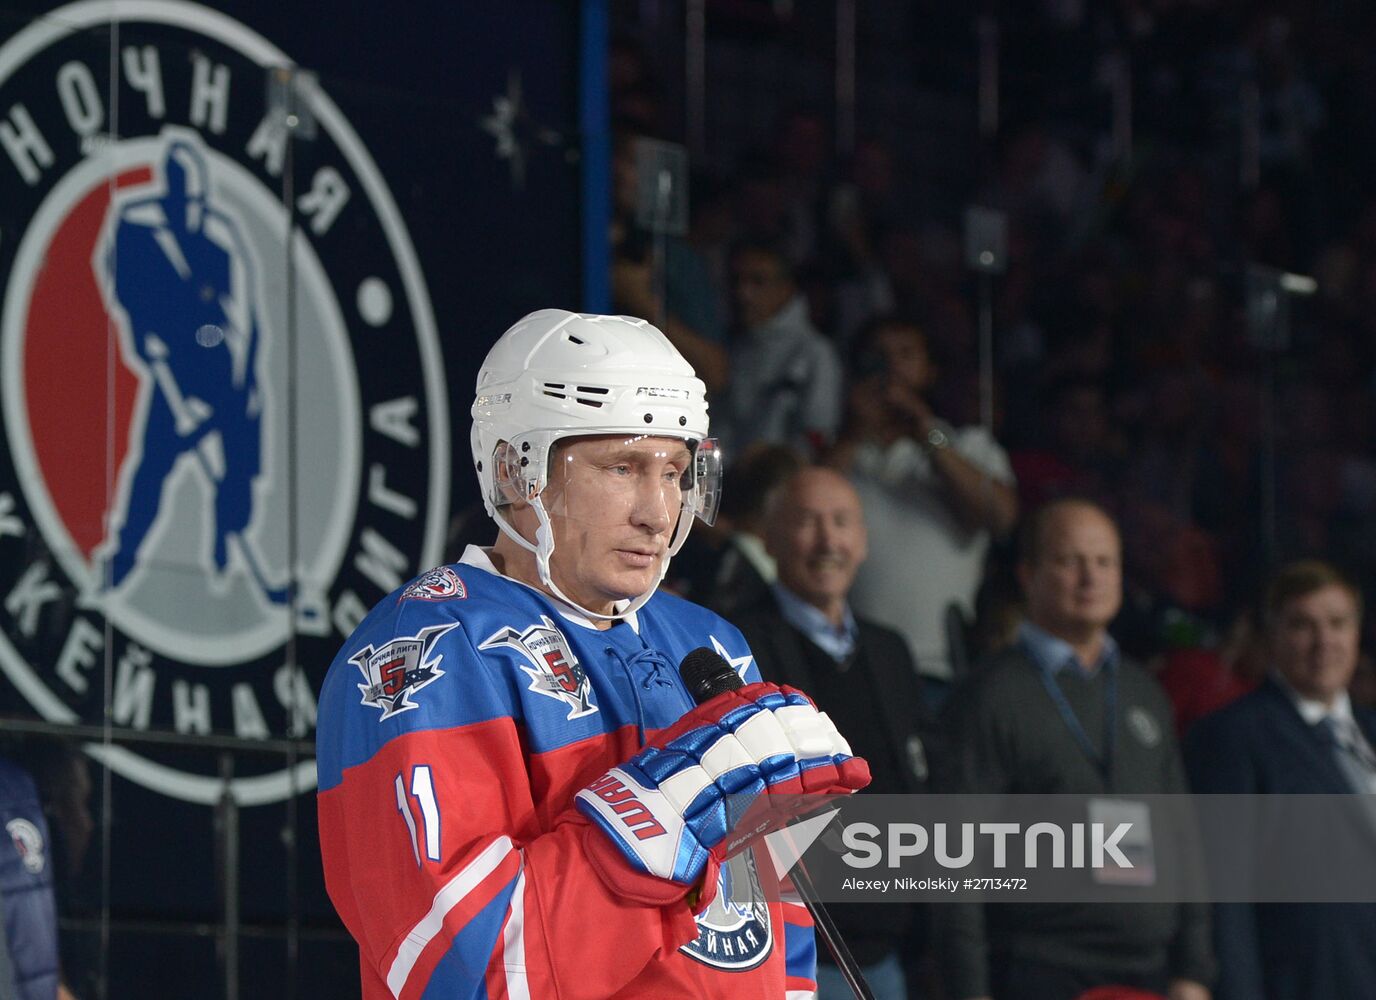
<point>455,727</point>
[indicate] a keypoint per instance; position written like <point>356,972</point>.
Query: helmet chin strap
<point>544,549</point>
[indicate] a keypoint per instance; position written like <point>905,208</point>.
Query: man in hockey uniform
<point>518,795</point>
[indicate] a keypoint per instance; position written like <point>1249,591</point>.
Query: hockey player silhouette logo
<point>176,270</point>
<point>225,428</point>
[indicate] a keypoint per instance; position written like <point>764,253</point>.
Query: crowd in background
<point>1125,366</point>
<point>1160,169</point>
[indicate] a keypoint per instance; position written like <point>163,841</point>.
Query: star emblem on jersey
<point>394,672</point>
<point>740,664</point>
<point>554,671</point>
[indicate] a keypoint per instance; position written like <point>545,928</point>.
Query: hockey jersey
<point>455,727</point>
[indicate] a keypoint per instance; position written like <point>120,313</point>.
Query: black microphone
<point>706,674</point>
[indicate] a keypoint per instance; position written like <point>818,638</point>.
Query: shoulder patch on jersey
<point>554,671</point>
<point>439,584</point>
<point>398,669</point>
<point>28,841</point>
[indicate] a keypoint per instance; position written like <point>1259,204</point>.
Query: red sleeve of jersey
<point>800,949</point>
<point>445,873</point>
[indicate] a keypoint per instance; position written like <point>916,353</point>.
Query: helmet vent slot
<point>591,390</point>
<point>559,390</point>
<point>575,340</point>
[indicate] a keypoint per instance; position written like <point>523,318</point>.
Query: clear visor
<point>704,497</point>
<point>643,483</point>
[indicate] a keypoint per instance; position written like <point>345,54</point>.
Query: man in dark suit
<point>1297,734</point>
<point>740,571</point>
<point>803,633</point>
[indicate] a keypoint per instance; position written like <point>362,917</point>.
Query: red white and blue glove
<point>664,816</point>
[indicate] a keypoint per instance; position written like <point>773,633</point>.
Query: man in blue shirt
<point>802,632</point>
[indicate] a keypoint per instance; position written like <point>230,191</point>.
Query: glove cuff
<point>611,867</point>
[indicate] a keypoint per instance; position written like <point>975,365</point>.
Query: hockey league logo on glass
<point>397,670</point>
<point>220,447</point>
<point>554,671</point>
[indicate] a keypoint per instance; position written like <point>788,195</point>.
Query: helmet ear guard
<point>509,478</point>
<point>520,470</point>
<point>507,488</point>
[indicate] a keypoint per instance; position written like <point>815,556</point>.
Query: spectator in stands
<point>804,146</point>
<point>934,493</point>
<point>760,205</point>
<point>802,631</point>
<point>861,210</point>
<point>28,950</point>
<point>1063,712</point>
<point>727,567</point>
<point>664,279</point>
<point>1297,734</point>
<point>1081,454</point>
<point>785,382</point>
<point>1201,678</point>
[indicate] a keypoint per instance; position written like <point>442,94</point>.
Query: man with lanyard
<point>518,795</point>
<point>1063,712</point>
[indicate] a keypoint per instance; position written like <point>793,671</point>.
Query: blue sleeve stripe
<point>800,951</point>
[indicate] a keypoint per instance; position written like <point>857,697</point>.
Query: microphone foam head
<point>706,674</point>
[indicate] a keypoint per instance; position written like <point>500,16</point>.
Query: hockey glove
<point>668,810</point>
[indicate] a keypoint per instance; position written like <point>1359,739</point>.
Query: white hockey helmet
<point>557,374</point>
